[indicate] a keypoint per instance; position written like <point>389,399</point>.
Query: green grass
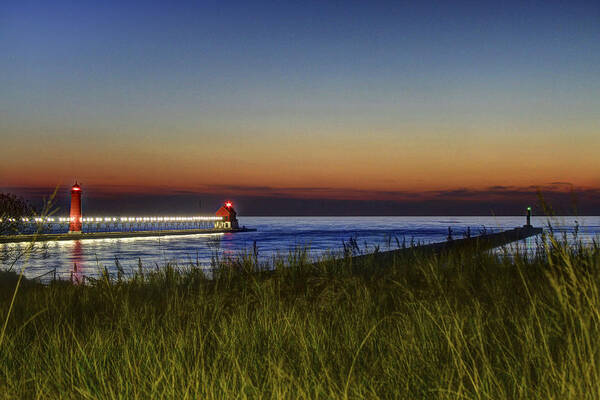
<point>457,326</point>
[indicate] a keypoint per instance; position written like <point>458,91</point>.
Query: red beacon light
<point>228,204</point>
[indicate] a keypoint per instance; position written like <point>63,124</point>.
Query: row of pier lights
<point>225,217</point>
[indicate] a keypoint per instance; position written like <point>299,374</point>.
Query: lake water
<point>274,235</point>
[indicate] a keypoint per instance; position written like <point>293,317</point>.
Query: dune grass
<point>455,326</point>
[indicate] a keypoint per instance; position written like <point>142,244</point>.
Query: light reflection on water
<point>275,235</point>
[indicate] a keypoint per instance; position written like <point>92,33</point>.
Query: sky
<point>302,108</point>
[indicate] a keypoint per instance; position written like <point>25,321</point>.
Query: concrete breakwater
<point>481,242</point>
<point>44,237</point>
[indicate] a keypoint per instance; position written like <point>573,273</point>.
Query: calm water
<point>275,235</point>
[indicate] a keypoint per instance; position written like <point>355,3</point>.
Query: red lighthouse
<point>75,216</point>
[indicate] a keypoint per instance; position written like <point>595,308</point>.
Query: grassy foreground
<point>459,326</point>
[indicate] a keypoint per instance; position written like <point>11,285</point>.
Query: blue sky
<point>348,96</point>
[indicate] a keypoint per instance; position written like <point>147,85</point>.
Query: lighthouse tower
<point>75,216</point>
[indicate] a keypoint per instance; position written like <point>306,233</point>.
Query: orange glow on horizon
<point>338,163</point>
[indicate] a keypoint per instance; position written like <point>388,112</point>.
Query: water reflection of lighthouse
<point>77,260</point>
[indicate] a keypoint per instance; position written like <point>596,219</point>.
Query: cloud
<point>310,192</point>
<point>499,188</point>
<point>561,183</point>
<point>271,200</point>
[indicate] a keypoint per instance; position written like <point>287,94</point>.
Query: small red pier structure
<point>227,212</point>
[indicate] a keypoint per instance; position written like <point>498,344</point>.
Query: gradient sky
<point>396,102</point>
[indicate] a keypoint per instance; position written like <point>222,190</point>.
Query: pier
<point>480,243</point>
<point>77,227</point>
